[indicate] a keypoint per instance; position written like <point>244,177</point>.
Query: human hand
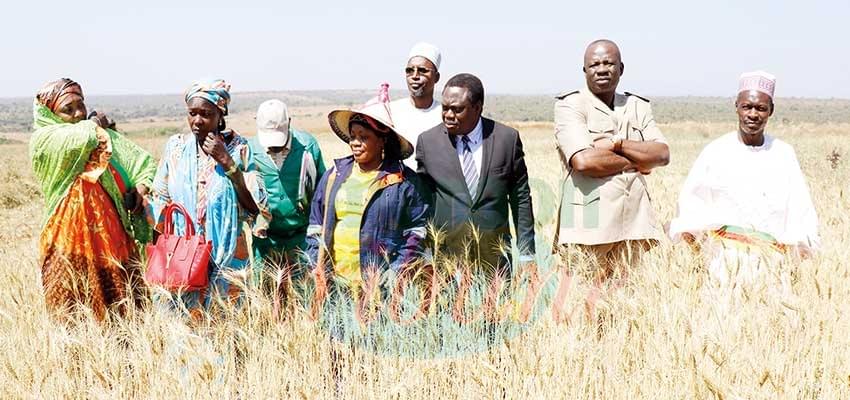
<point>214,147</point>
<point>102,120</point>
<point>320,293</point>
<point>604,144</point>
<point>134,199</point>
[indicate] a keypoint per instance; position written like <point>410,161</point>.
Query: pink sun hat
<point>378,110</point>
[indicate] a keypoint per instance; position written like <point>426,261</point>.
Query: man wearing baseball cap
<point>290,163</point>
<point>418,112</point>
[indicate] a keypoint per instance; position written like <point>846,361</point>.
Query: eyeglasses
<point>412,70</point>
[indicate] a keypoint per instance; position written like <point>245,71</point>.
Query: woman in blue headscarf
<point>212,174</point>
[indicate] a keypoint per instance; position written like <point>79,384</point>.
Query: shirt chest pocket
<point>601,127</point>
<point>632,130</point>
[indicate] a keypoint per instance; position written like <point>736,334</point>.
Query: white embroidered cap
<point>759,81</point>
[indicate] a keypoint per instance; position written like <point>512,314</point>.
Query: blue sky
<point>529,47</point>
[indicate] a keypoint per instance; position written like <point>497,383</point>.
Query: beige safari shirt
<point>614,208</point>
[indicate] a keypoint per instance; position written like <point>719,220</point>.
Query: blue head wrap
<point>216,91</point>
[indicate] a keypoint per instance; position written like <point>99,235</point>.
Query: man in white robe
<point>420,111</point>
<point>745,202</point>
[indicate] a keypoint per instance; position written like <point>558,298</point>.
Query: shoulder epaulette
<point>640,97</point>
<point>565,94</point>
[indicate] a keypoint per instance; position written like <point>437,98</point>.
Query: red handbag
<point>179,262</point>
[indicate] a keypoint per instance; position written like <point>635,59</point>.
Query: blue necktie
<point>470,172</point>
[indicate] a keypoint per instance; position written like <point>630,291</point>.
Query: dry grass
<point>664,340</point>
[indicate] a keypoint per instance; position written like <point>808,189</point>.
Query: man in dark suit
<point>476,171</point>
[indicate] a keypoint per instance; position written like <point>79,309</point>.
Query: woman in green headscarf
<point>94,181</point>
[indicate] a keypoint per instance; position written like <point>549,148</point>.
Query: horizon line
<point>552,94</point>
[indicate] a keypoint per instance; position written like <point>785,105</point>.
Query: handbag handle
<point>172,208</point>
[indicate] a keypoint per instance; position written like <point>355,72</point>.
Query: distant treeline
<point>16,114</point>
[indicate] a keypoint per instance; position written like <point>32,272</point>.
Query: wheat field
<point>664,338</point>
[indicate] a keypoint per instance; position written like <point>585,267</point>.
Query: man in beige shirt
<point>607,142</point>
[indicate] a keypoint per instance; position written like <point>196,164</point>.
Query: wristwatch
<point>232,170</point>
<point>618,144</point>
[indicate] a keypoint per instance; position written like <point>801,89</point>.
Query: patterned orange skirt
<point>86,254</point>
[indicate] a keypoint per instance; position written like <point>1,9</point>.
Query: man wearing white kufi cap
<point>745,201</point>
<point>418,112</point>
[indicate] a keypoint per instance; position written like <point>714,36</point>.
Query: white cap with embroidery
<point>759,81</point>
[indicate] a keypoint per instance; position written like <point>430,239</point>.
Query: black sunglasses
<point>421,70</point>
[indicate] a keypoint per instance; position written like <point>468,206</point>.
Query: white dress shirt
<point>476,140</point>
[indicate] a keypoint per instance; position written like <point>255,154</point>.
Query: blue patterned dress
<point>188,176</point>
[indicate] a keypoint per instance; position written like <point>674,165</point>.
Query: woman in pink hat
<point>369,212</point>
